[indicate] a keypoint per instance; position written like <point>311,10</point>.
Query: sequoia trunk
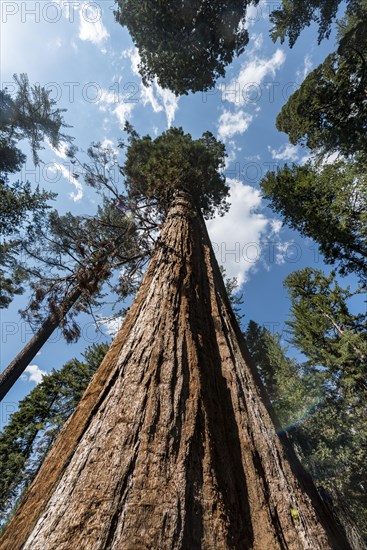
<point>171,446</point>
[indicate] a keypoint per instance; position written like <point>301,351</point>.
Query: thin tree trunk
<point>14,370</point>
<point>171,446</point>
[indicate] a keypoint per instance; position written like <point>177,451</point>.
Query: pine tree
<point>171,446</point>
<point>302,195</point>
<point>323,328</point>
<point>293,391</point>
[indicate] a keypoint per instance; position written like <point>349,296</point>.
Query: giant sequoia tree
<point>171,446</point>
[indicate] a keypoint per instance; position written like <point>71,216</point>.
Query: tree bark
<point>171,446</point>
<point>14,370</point>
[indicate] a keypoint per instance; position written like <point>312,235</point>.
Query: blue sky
<point>77,50</point>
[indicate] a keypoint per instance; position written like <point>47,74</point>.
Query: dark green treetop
<point>294,16</point>
<point>328,113</point>
<point>185,44</point>
<point>156,169</point>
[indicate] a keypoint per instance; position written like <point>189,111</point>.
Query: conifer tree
<point>28,114</point>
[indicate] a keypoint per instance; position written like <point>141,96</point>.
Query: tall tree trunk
<point>171,446</point>
<point>14,370</point>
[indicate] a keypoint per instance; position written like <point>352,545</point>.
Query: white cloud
<point>285,152</point>
<point>256,40</point>
<point>111,324</point>
<point>252,74</point>
<point>236,237</point>
<point>91,27</point>
<point>33,374</point>
<point>253,14</point>
<point>285,251</point>
<point>61,150</point>
<point>332,158</point>
<point>276,226</point>
<point>160,99</point>
<point>67,173</point>
<point>307,66</point>
<point>231,124</point>
<point>122,110</point>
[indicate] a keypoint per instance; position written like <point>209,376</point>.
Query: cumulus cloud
<point>91,27</point>
<point>33,374</point>
<point>230,124</point>
<point>287,152</point>
<point>252,73</point>
<point>160,99</point>
<point>236,237</point>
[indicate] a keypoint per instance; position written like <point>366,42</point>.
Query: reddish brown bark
<point>171,446</point>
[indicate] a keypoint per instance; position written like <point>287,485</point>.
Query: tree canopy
<point>186,45</point>
<point>156,169</point>
<point>29,114</point>
<point>328,113</point>
<point>293,16</point>
<point>303,194</point>
<point>324,329</point>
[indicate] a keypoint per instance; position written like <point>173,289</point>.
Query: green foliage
<point>331,443</point>
<point>186,45</point>
<point>293,391</point>
<point>303,195</point>
<point>331,337</point>
<point>156,169</point>
<point>33,428</point>
<point>326,429</point>
<point>78,252</point>
<point>32,114</point>
<point>20,207</point>
<point>294,15</point>
<point>234,295</point>
<point>328,113</point>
